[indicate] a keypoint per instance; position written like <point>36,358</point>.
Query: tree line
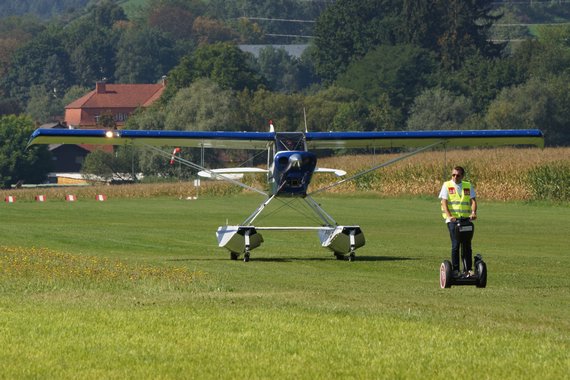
<point>372,65</point>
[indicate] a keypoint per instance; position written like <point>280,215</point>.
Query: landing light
<point>109,134</point>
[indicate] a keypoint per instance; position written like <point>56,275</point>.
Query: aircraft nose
<point>295,161</point>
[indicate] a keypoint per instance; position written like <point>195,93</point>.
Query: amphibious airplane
<point>290,167</point>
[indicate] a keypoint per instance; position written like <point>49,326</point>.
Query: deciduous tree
<point>323,106</point>
<point>401,71</point>
<point>539,103</point>
<point>224,63</point>
<point>92,53</point>
<point>44,106</point>
<point>204,106</point>
<point>208,30</point>
<point>144,56</point>
<point>465,32</point>
<point>283,72</point>
<point>18,164</point>
<point>122,165</point>
<point>43,61</point>
<point>348,29</point>
<point>481,79</point>
<point>173,19</point>
<point>286,111</point>
<point>437,108</point>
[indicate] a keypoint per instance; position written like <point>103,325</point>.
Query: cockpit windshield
<point>287,141</point>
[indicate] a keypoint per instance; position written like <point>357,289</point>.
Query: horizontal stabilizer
<point>337,172</point>
<point>233,173</point>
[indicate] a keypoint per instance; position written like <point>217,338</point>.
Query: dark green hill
<point>44,9</point>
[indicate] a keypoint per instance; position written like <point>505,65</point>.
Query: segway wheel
<point>481,269</point>
<point>445,278</point>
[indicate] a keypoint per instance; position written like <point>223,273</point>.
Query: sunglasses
<point>456,175</point>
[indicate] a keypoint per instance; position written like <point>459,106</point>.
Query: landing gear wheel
<point>246,257</point>
<point>234,255</point>
<point>339,256</point>
<point>351,257</point>
<point>445,278</point>
<point>481,270</point>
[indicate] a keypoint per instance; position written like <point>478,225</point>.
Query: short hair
<point>459,169</point>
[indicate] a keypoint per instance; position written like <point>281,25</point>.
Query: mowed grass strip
<point>203,339</point>
<point>293,311</point>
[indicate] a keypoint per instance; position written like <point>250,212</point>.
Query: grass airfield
<point>139,289</point>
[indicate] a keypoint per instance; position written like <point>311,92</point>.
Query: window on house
<point>121,117</point>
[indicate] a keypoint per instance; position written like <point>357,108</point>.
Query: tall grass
<point>42,269</point>
<point>498,174</point>
<point>551,181</point>
<point>180,190</point>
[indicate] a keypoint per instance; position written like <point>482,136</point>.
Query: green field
<point>139,289</point>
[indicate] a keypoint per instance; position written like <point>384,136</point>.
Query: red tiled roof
<point>120,96</point>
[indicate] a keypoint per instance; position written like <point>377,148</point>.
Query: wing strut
<point>392,161</point>
<point>199,167</point>
<point>325,217</point>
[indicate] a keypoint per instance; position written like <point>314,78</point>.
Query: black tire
<point>481,269</point>
<point>445,277</point>
<point>234,255</point>
<point>339,256</point>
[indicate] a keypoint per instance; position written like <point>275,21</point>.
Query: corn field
<point>498,174</point>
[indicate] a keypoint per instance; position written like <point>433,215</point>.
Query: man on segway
<point>459,208</point>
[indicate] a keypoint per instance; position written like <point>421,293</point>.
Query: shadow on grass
<point>292,259</point>
<point>357,258</point>
<point>384,258</point>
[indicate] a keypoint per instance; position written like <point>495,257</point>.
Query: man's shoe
<point>468,273</point>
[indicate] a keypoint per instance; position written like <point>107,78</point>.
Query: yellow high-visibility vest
<point>459,204</point>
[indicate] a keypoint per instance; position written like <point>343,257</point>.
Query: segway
<point>465,230</point>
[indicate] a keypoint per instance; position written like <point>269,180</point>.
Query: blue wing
<point>227,140</point>
<point>315,140</point>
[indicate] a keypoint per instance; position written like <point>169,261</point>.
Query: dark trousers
<point>463,240</point>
